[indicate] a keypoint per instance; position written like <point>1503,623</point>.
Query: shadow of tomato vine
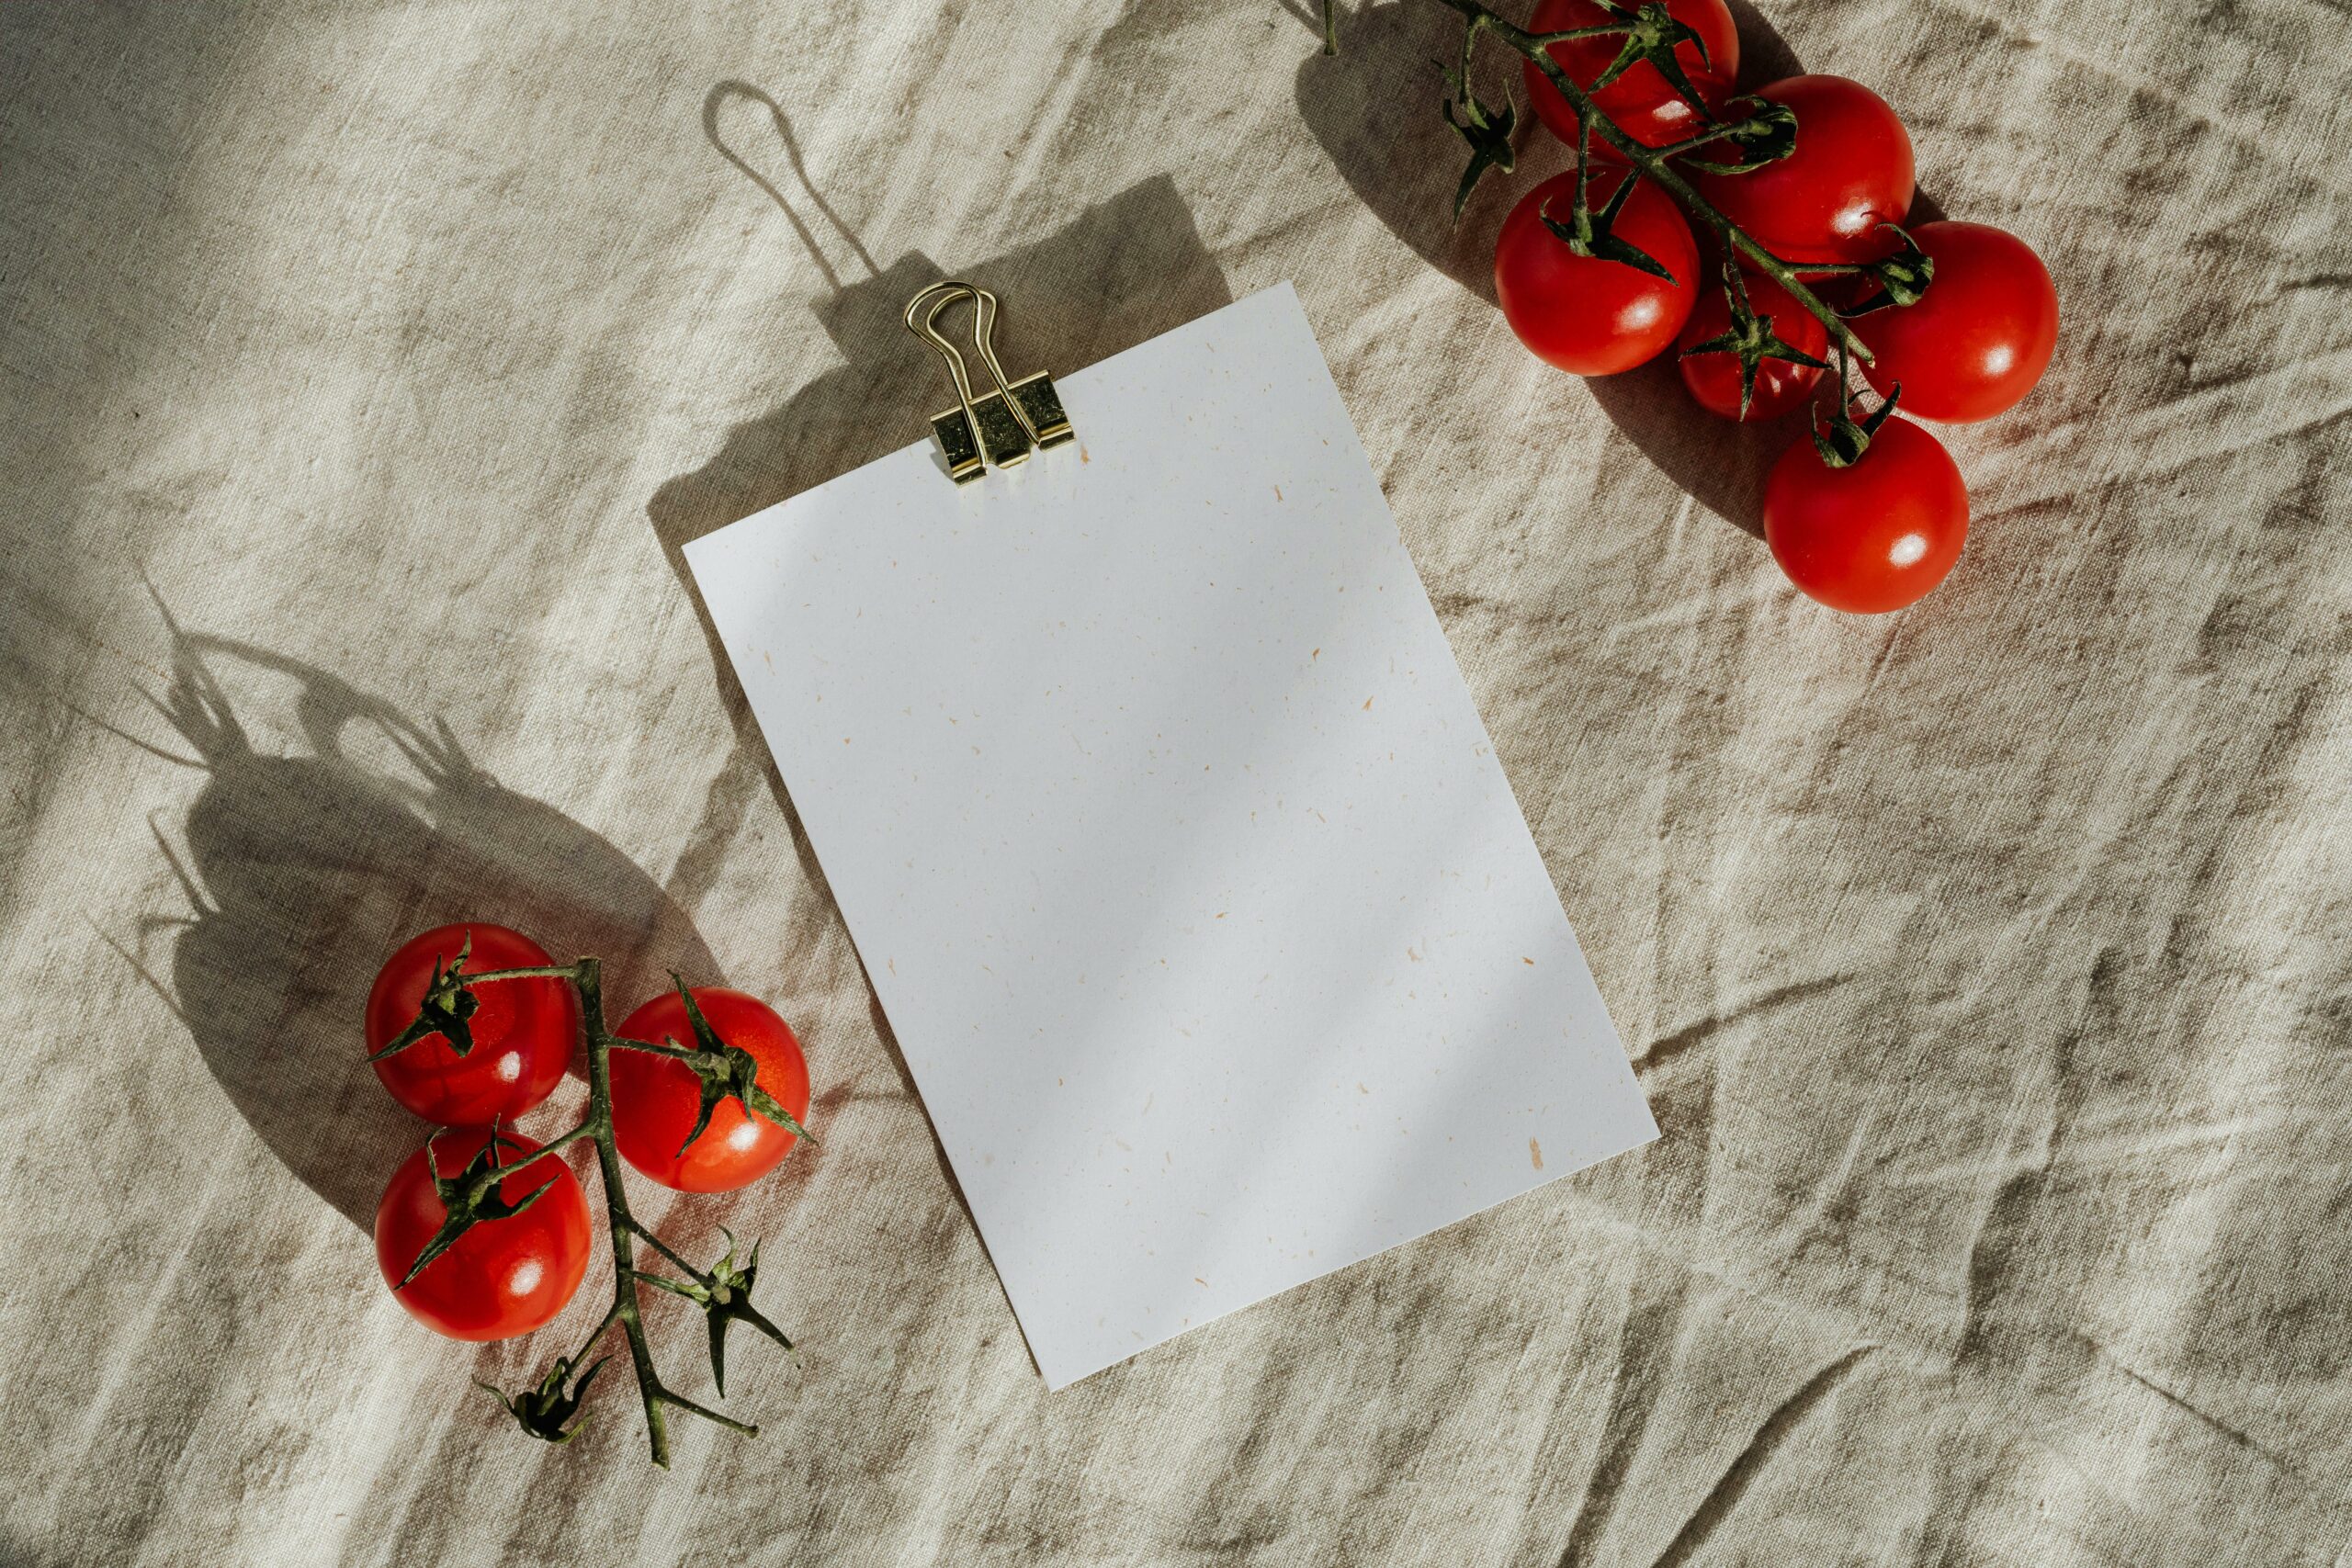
<point>304,863</point>
<point>1374,108</point>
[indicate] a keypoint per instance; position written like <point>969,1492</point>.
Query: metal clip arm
<point>1000,426</point>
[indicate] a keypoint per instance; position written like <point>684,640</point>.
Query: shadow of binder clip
<point>1002,425</point>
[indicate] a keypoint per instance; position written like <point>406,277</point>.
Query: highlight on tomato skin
<point>1587,315</point>
<point>524,1032</point>
<point>1978,340</point>
<point>655,1101</point>
<point>1850,173</point>
<point>1644,105</point>
<point>1873,536</point>
<point>502,1278</point>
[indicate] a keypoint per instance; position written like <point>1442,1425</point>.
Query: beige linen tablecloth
<point>366,367</point>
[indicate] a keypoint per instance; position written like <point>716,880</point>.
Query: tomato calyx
<point>473,1197</point>
<point>1902,278</point>
<point>449,1003</point>
<point>724,1293</point>
<point>1652,35</point>
<point>1750,336</point>
<point>1844,440</point>
<point>1767,134</point>
<point>546,1411</point>
<point>1485,127</point>
<point>447,1006</point>
<point>725,1072</point>
<point>1591,234</point>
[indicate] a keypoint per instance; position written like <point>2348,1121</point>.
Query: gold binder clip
<point>1000,425</point>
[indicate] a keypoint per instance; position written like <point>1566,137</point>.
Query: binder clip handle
<point>1001,426</point>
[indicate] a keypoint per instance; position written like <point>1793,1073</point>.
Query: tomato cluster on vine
<point>470,1051</point>
<point>1804,184</point>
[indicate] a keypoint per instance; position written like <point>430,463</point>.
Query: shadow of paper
<point>306,863</point>
<point>1374,108</point>
<point>1122,272</point>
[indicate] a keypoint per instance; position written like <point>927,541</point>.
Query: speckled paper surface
<point>1985,965</point>
<point>1177,854</point>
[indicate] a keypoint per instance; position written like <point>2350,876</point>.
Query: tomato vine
<point>476,1196</point>
<point>1762,133</point>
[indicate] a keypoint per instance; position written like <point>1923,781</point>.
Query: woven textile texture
<point>364,369</point>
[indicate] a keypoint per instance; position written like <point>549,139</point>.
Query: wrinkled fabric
<point>364,370</point>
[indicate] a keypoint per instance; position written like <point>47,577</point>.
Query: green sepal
<point>1767,135</point>
<point>725,1297</point>
<point>1847,439</point>
<point>545,1411</point>
<point>1902,278</point>
<point>1486,129</point>
<point>446,1006</point>
<point>1750,336</point>
<point>727,1072</point>
<point>1652,34</point>
<point>467,1200</point>
<point>728,1301</point>
<point>1591,234</point>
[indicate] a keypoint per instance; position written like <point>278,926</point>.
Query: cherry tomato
<point>1874,535</point>
<point>1642,103</point>
<point>655,1101</point>
<point>524,1030</point>
<point>1780,384</point>
<point>502,1278</point>
<point>1851,172</point>
<point>1586,315</point>
<point>1979,338</point>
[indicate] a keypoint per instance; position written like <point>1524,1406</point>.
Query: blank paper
<point>1171,842</point>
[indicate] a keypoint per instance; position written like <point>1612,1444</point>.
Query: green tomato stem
<point>586,978</point>
<point>663,1247</point>
<point>482,1184</point>
<point>648,1047</point>
<point>611,1317</point>
<point>589,981</point>
<point>1652,163</point>
<point>1602,29</point>
<point>1688,144</point>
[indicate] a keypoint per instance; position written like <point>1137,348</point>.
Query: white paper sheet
<point>1172,844</point>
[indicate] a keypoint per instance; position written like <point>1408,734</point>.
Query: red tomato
<point>655,1101</point>
<point>1874,535</point>
<point>1642,103</point>
<point>524,1030</point>
<point>1851,172</point>
<point>1586,315</point>
<point>1979,338</point>
<point>502,1278</point>
<point>1780,384</point>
